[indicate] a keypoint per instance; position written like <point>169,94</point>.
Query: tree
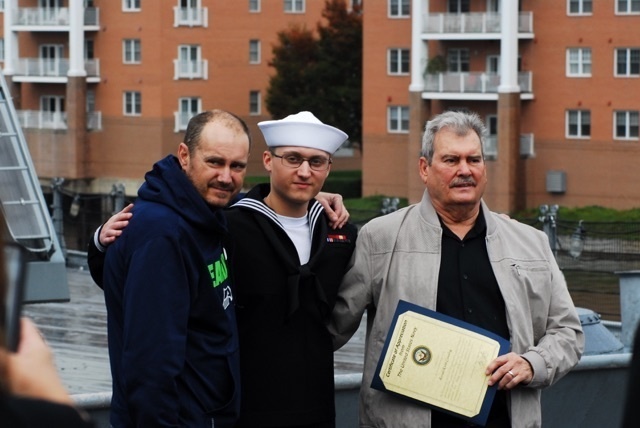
<point>323,74</point>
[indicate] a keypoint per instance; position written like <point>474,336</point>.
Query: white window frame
<point>294,6</point>
<point>631,120</point>
<point>254,6</point>
<point>131,5</point>
<point>396,119</point>
<point>131,47</point>
<point>255,51</point>
<point>580,62</point>
<point>580,6</point>
<point>628,62</point>
<point>193,107</point>
<point>462,58</point>
<point>132,101</point>
<point>395,8</point>
<point>629,4</point>
<point>255,103</point>
<point>51,57</point>
<point>398,61</point>
<point>582,118</point>
<point>493,64</point>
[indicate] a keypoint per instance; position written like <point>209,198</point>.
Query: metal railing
<point>472,82</point>
<point>190,16</point>
<point>472,23</point>
<point>38,119</point>
<point>526,146</point>
<point>53,16</point>
<point>41,67</point>
<point>198,69</point>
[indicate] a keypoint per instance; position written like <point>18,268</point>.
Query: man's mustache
<point>463,181</point>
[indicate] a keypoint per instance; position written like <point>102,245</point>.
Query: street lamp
<point>548,215</point>
<point>577,241</point>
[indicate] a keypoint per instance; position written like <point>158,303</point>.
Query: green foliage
<point>322,75</point>
<point>346,183</point>
<point>436,64</point>
<point>364,209</point>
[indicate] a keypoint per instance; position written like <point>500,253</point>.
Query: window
<point>187,108</point>
<point>255,103</point>
<point>131,5</point>
<point>579,62</point>
<point>578,124</point>
<point>398,61</point>
<point>190,64</point>
<point>254,5</point>
<point>254,51</point>
<point>458,6</point>
<point>131,51</point>
<point>1,49</point>
<point>132,103</point>
<point>294,6</point>
<point>399,8</point>
<point>628,62</point>
<point>493,64</point>
<point>398,119</point>
<point>458,60</point>
<point>626,124</point>
<point>89,51</point>
<point>579,7</point>
<point>628,6</point>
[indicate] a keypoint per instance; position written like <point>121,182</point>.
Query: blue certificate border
<point>403,307</point>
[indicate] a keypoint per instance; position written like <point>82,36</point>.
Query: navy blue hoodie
<point>173,343</point>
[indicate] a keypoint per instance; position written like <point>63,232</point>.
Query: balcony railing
<point>181,120</point>
<point>38,119</point>
<point>190,69</point>
<point>526,146</point>
<point>94,120</point>
<point>40,67</point>
<point>50,16</point>
<point>472,23</point>
<point>190,16</point>
<point>481,83</point>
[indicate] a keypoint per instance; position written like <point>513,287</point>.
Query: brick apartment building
<point>105,87</point>
<point>557,82</point>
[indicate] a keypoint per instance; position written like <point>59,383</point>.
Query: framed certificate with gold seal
<point>439,361</point>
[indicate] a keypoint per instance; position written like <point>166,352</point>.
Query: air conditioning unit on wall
<point>556,181</point>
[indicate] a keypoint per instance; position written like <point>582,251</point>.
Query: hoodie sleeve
<point>156,311</point>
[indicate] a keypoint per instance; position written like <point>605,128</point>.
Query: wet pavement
<point>77,333</point>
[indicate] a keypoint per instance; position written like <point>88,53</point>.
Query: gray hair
<point>461,122</point>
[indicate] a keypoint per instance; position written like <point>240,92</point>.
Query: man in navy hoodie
<point>173,342</point>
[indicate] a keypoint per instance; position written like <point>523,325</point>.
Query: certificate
<point>435,359</point>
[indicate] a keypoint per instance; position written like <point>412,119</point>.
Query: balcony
<point>38,119</point>
<point>472,86</point>
<point>42,70</point>
<point>526,146</point>
<point>196,69</point>
<point>54,19</point>
<point>462,26</point>
<point>190,17</point>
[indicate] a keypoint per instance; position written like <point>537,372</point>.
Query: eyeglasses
<point>316,163</point>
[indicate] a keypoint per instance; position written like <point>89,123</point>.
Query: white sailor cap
<point>302,130</point>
